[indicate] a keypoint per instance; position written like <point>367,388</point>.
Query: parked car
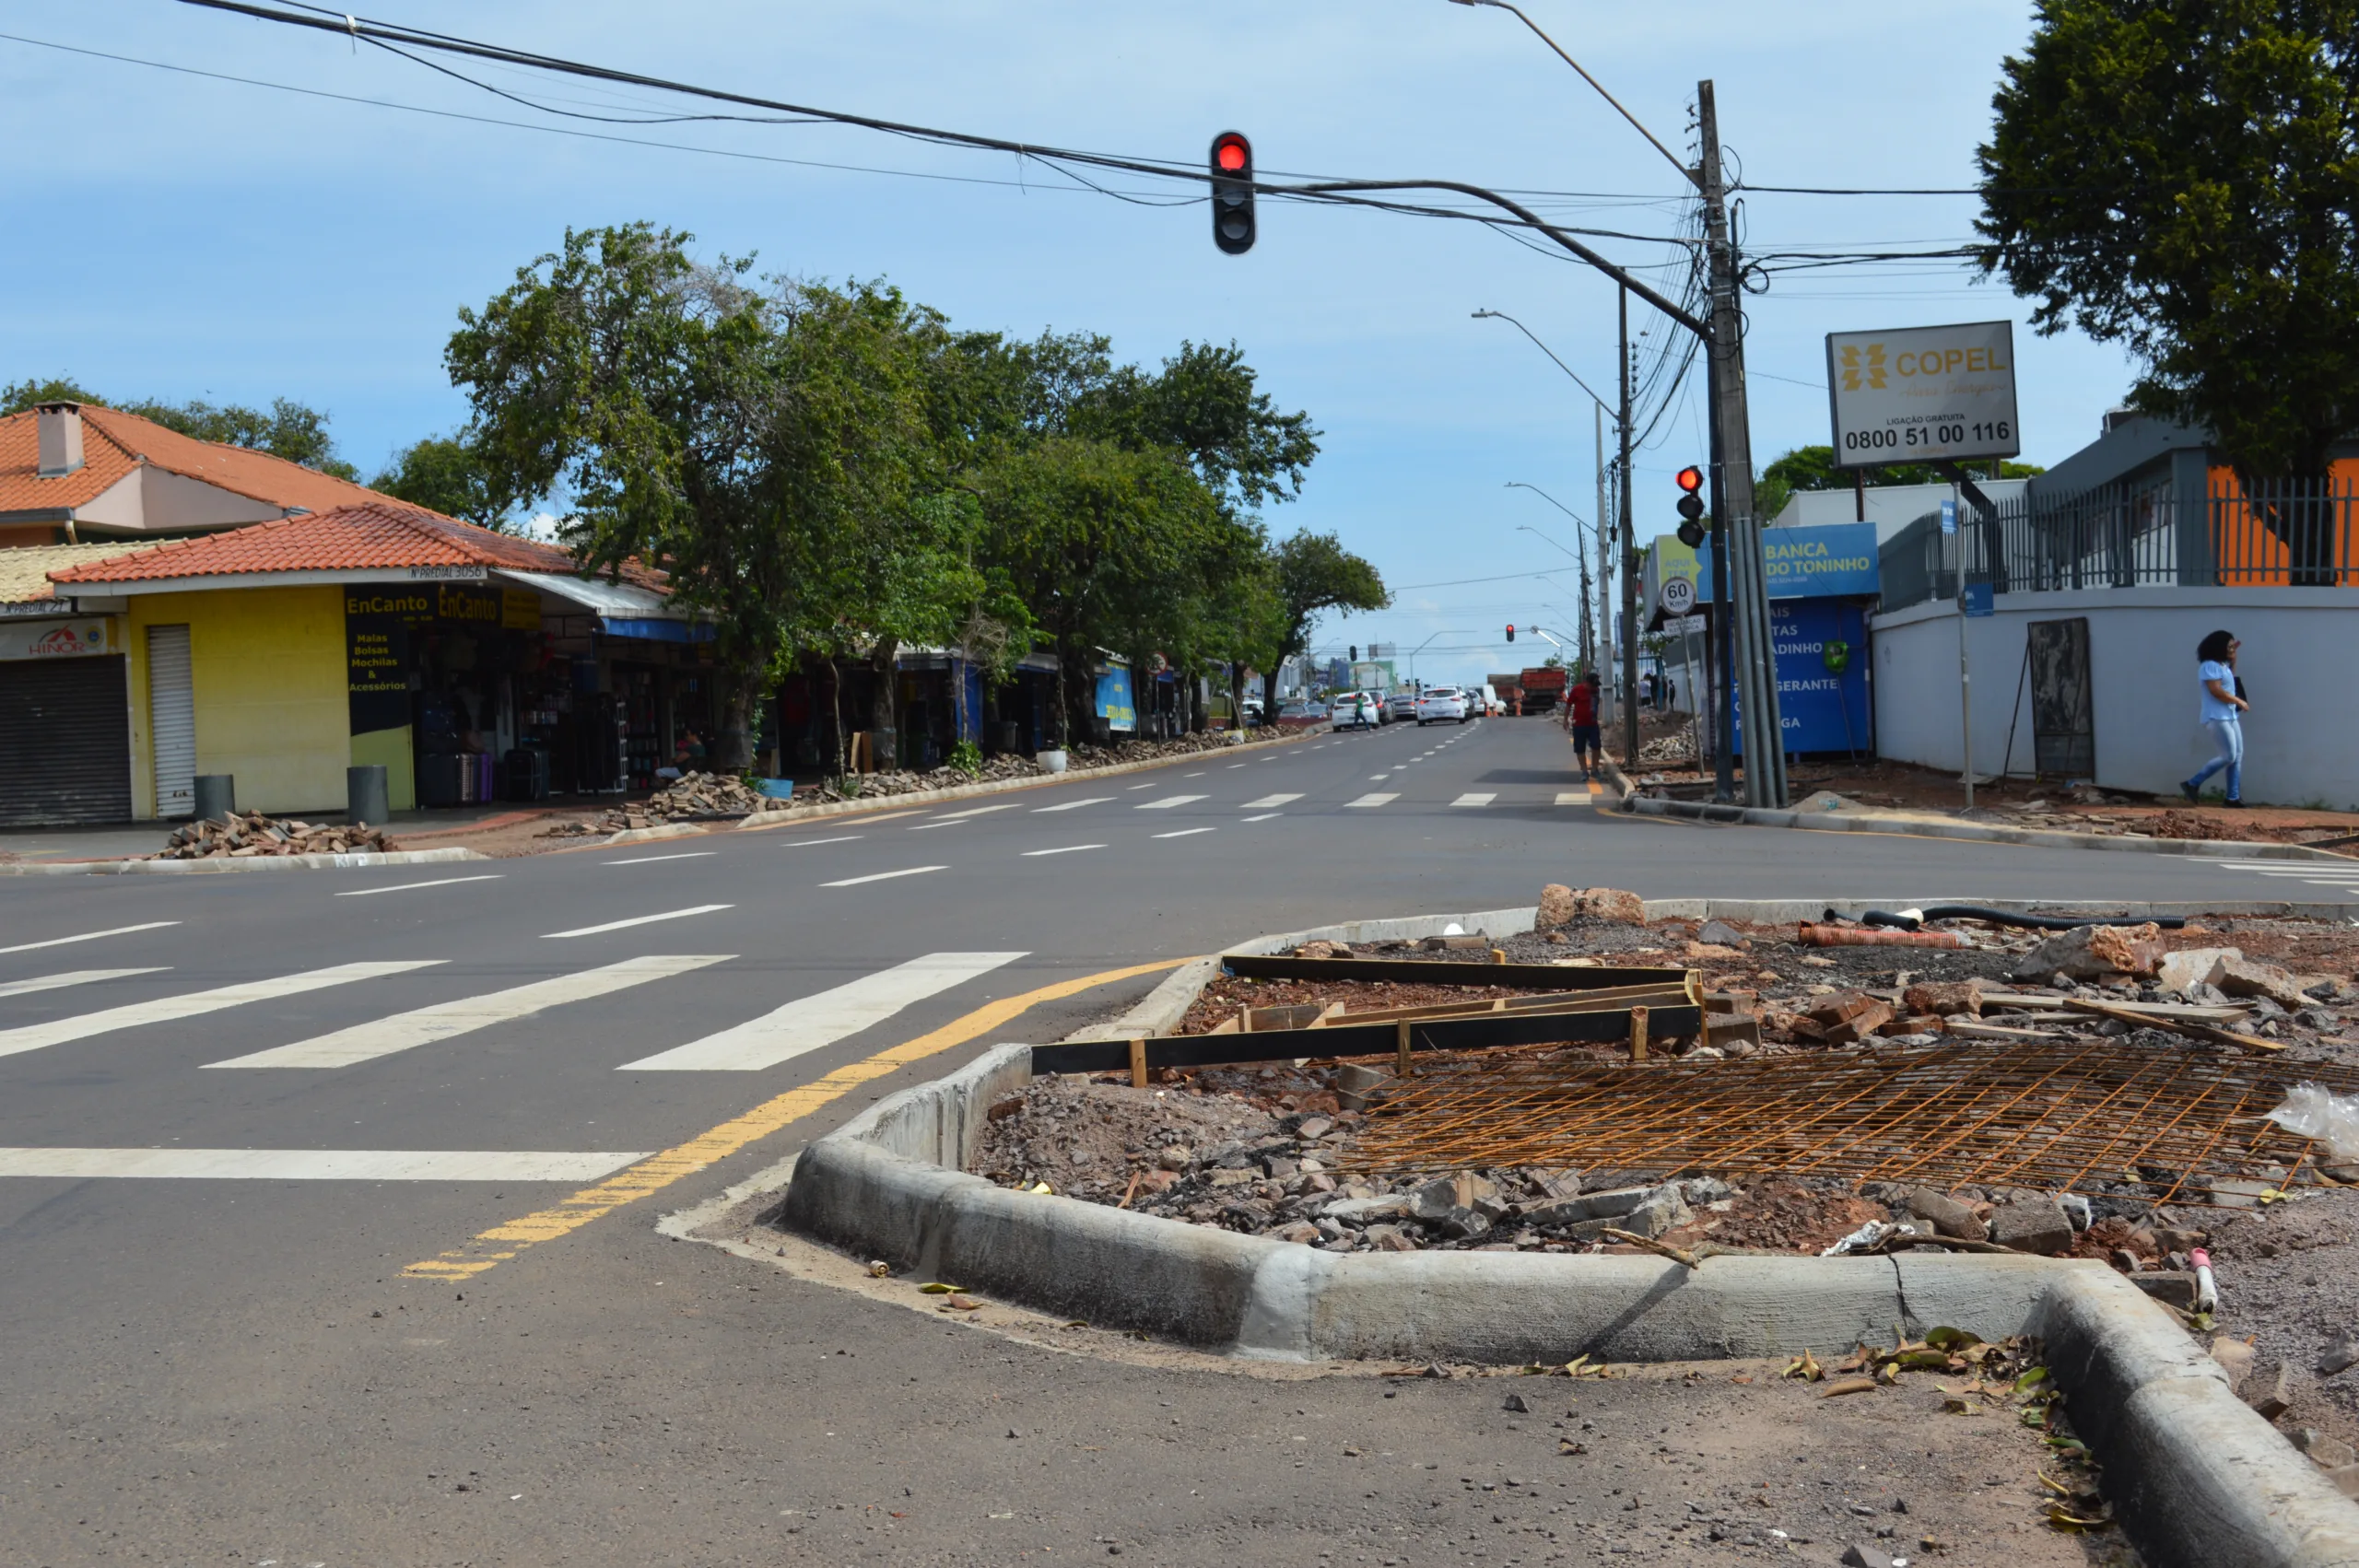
<point>1301,715</point>
<point>1355,710</point>
<point>1400,705</point>
<point>1441,702</point>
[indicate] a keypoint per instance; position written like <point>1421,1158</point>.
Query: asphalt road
<point>193,1259</point>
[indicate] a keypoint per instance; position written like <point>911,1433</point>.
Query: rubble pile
<point>244,835</point>
<point>692,797</point>
<point>1147,751</point>
<point>1007,765</point>
<point>1677,749</point>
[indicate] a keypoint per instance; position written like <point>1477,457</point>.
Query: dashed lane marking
<point>1167,801</point>
<point>1187,832</point>
<point>412,886</point>
<point>651,860</point>
<point>490,1248</point>
<point>448,1020</point>
<point>808,843</point>
<point>1268,802</point>
<point>1063,849</point>
<point>1263,817</point>
<point>884,876</point>
<point>90,936</point>
<point>1474,800</point>
<point>1371,801</point>
<point>638,920</point>
<point>1074,805</point>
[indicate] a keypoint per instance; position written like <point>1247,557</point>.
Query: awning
<point>622,609</point>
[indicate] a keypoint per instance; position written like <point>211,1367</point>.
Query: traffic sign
<point>1979,600</point>
<point>1923,395</point>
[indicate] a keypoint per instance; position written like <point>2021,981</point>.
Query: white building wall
<point>2300,664</point>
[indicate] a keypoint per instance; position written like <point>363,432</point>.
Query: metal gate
<point>171,719</point>
<point>2063,719</point>
<point>68,759</point>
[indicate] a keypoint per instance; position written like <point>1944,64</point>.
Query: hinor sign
<point>1923,395</point>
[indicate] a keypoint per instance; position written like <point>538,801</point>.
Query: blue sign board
<point>1978,601</point>
<point>1949,515</point>
<point>1834,562</point>
<point>1114,704</point>
<point>1821,708</point>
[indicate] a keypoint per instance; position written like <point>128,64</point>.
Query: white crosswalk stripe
<point>816,1022</point>
<point>1167,801</point>
<point>90,936</point>
<point>1269,802</point>
<point>1572,797</point>
<point>190,1004</point>
<point>1073,805</point>
<point>316,1164</point>
<point>74,977</point>
<point>1474,800</point>
<point>446,1020</point>
<point>1371,801</point>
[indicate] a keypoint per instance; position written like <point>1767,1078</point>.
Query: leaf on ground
<point>936,1288</point>
<point>1950,1339</point>
<point>1805,1367</point>
<point>1849,1386</point>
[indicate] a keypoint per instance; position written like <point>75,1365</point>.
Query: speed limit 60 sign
<point>1921,394</point>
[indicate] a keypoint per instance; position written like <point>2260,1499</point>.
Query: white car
<point>1354,710</point>
<point>1441,702</point>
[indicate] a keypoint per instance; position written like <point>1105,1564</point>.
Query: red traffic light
<point>1510,634</point>
<point>1232,193</point>
<point>1232,154</point>
<point>1691,479</point>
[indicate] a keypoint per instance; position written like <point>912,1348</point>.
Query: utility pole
<point>1765,754</point>
<point>1596,602</point>
<point>1629,561</point>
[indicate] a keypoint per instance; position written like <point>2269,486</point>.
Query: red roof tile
<point>112,444</point>
<point>375,535</point>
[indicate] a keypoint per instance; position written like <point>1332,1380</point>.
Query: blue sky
<point>203,238</point>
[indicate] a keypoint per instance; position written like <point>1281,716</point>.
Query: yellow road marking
<point>650,1176</point>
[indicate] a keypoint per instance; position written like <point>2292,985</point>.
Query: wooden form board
<point>1416,972</point>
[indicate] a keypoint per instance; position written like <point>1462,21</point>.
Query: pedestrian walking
<point>2223,708</point>
<point>1581,701</point>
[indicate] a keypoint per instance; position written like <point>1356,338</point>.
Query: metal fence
<point>2293,533</point>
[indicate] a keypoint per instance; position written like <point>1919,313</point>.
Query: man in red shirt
<point>1582,696</point>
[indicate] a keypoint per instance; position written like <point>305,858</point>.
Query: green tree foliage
<point>2180,175</point>
<point>447,474</point>
<point>1812,468</point>
<point>1314,574</point>
<point>289,429</point>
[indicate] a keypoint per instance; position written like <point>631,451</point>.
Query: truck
<point>1543,686</point>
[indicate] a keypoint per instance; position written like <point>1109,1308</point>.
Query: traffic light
<point>1691,506</point>
<point>1356,654</point>
<point>1232,193</point>
<point>1510,634</point>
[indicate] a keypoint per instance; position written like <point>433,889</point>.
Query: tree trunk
<point>840,743</point>
<point>1237,695</point>
<point>882,699</point>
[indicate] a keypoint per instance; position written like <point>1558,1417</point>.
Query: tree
<point>293,430</point>
<point>1314,574</point>
<point>447,474</point>
<point>2180,175</point>
<point>1812,468</point>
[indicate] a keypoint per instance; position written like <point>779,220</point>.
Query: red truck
<point>1542,688</point>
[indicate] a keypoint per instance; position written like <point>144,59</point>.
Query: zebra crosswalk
<point>794,1028</point>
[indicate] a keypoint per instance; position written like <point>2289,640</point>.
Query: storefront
<point>63,700</point>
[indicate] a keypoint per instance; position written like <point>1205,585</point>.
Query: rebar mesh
<point>2154,1125</point>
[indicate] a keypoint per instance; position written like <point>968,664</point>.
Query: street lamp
<point>1447,631</point>
<point>1588,645</point>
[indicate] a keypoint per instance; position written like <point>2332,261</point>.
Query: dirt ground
<point>1666,761</point>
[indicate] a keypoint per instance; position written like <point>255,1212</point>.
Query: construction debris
<point>244,835</point>
<point>2094,952</point>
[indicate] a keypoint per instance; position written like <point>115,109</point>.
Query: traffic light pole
<point>1629,562</point>
<point>1756,659</point>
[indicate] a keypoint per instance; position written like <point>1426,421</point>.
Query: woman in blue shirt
<point>2215,673</point>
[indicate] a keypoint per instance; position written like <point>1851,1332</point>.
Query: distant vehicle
<point>1400,705</point>
<point>1441,702</point>
<point>1383,713</point>
<point>1301,715</point>
<point>1253,711</point>
<point>1484,700</point>
<point>1542,688</point>
<point>1355,710</point>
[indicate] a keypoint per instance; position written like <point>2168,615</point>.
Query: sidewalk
<point>118,841</point>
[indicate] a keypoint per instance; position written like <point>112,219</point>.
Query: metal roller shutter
<point>68,754</point>
<point>172,717</point>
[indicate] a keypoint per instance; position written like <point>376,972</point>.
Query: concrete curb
<point>1838,821</point>
<point>250,863</point>
<point>1779,912</point>
<point>2199,1479</point>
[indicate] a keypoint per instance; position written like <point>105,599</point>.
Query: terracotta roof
<point>24,573</point>
<point>375,535</point>
<point>112,444</point>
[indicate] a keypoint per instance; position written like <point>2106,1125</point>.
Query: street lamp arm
<point>1520,484</point>
<point>1503,316</point>
<point>1685,173</point>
